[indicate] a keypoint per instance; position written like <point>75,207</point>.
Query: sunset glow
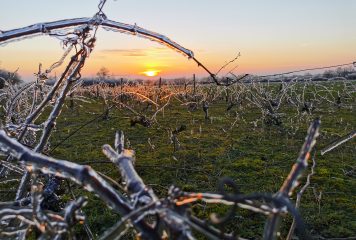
<point>267,44</point>
<point>151,73</point>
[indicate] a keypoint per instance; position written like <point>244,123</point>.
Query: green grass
<point>258,159</point>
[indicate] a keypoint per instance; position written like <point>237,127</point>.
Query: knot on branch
<point>98,19</point>
<point>43,28</point>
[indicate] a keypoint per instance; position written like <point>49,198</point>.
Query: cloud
<point>137,52</point>
<point>127,52</point>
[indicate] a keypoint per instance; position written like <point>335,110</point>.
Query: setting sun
<point>151,73</point>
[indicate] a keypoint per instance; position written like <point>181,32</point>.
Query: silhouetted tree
<point>12,77</point>
<point>103,73</point>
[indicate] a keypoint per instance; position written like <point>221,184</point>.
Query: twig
<point>299,197</point>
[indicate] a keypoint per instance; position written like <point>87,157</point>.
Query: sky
<point>271,36</point>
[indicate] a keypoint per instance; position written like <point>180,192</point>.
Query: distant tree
<point>103,73</point>
<point>139,81</point>
<point>179,81</point>
<point>329,74</point>
<point>308,75</point>
<point>343,72</point>
<point>12,77</point>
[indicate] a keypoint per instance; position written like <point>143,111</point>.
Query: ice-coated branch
<point>36,111</point>
<point>33,116</point>
<point>100,20</point>
<point>302,162</point>
<point>46,28</point>
<point>299,197</point>
<point>72,208</point>
<point>271,227</point>
<point>50,123</point>
<point>83,175</point>
<point>124,160</point>
<point>12,212</point>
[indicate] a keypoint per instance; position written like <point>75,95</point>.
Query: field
<point>115,148</point>
<point>255,155</point>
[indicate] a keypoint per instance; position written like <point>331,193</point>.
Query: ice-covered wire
<point>339,142</point>
<point>309,69</point>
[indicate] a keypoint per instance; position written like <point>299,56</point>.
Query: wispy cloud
<point>127,52</point>
<point>137,52</point>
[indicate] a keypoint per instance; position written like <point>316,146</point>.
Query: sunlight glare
<point>151,73</point>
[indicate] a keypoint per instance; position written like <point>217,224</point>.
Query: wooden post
<point>227,90</point>
<point>206,110</point>
<point>71,100</point>
<point>185,88</point>
<point>121,89</point>
<point>194,85</point>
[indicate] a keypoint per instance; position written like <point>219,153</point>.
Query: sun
<point>151,73</point>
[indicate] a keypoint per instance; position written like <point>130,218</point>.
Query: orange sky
<point>271,37</point>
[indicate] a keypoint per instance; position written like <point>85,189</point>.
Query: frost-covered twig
<point>50,123</point>
<point>124,160</point>
<point>271,228</point>
<point>227,64</point>
<point>299,197</point>
<point>83,175</point>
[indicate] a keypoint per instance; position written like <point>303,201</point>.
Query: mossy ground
<point>258,158</point>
